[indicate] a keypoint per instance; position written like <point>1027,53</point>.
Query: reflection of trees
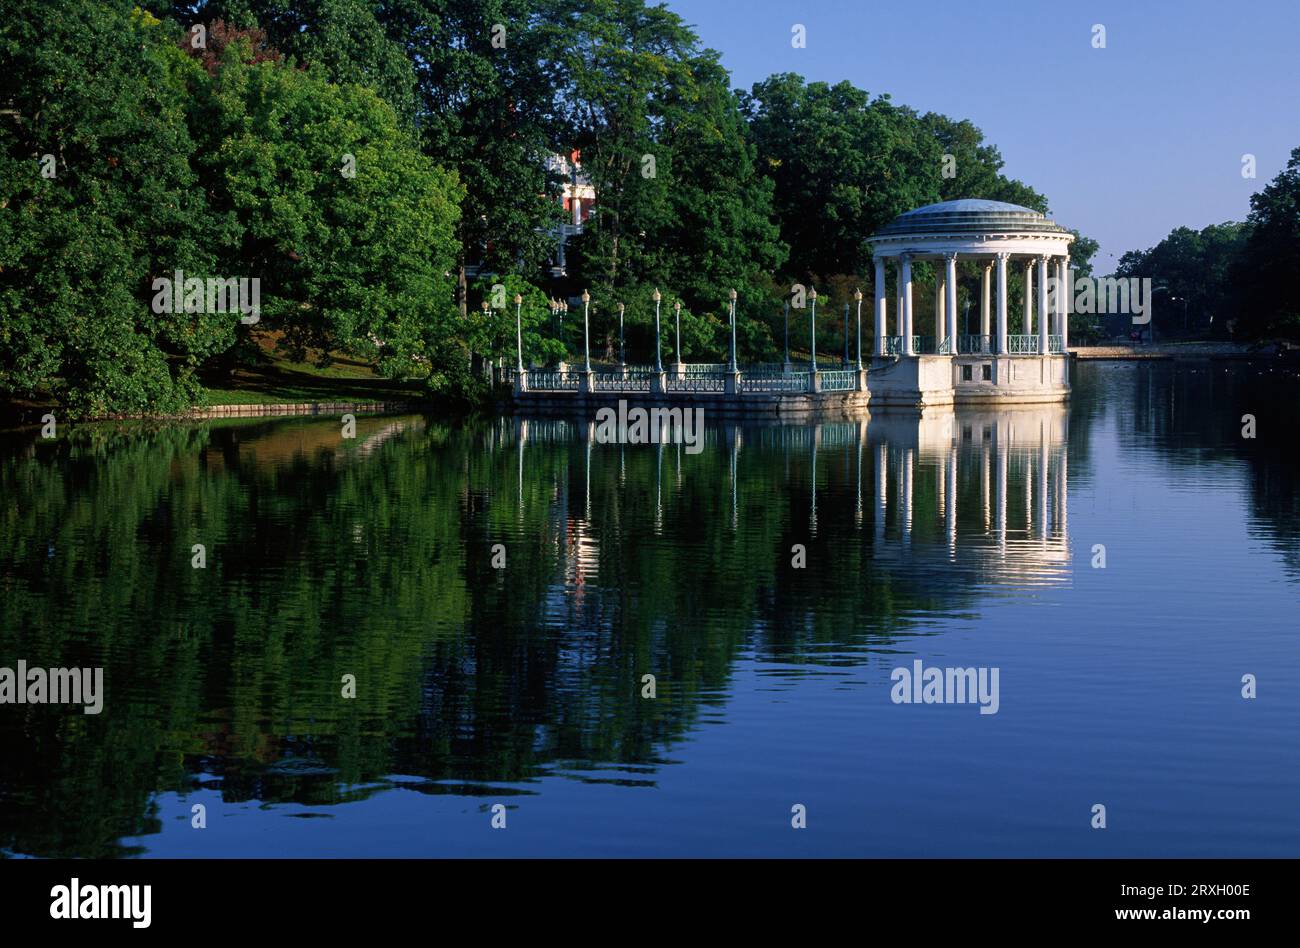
<point>373,557</point>
<point>1190,415</point>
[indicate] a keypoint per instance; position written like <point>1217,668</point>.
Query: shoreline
<point>31,417</point>
<point>1175,352</point>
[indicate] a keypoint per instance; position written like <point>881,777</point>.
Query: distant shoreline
<point>1187,351</point>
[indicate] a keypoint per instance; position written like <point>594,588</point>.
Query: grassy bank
<point>278,382</point>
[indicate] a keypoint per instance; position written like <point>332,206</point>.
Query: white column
<point>940,314</point>
<point>950,295</point>
<point>881,315</point>
<point>905,276</point>
<point>1000,344</point>
<point>1029,298</point>
<point>1067,285</point>
<point>898,298</point>
<point>986,286</point>
<point>1042,305</point>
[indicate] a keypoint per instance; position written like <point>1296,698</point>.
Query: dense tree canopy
<point>1270,258</point>
<point>97,192</point>
<point>1191,277</point>
<point>845,164</point>
<point>379,167</point>
<point>680,202</point>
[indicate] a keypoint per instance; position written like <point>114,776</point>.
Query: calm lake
<point>965,540</point>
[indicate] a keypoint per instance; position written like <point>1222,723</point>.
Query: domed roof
<point>970,216</point>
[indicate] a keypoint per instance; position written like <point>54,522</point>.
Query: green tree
<point>1190,273</point>
<point>343,37</point>
<point>842,165</point>
<point>493,332</point>
<point>845,164</point>
<point>486,111</point>
<point>680,203</point>
<point>320,193</point>
<point>1270,258</point>
<point>101,90</point>
<point>975,167</point>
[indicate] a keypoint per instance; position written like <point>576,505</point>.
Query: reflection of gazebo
<point>995,234</point>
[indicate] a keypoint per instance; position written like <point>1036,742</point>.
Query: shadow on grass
<point>277,382</point>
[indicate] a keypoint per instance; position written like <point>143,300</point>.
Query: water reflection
<point>375,557</point>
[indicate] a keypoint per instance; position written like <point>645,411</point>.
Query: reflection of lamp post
<point>586,331</point>
<point>733,330</point>
<point>519,331</point>
<point>658,360</point>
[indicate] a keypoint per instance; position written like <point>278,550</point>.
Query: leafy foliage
<point>1270,259</point>
<point>227,159</point>
<point>1191,277</point>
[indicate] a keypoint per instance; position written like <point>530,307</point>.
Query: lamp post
<point>491,366</point>
<point>787,336</point>
<point>857,296</point>
<point>519,331</point>
<point>812,295</point>
<point>586,331</point>
<point>555,313</point>
<point>677,312</point>
<point>658,359</point>
<point>621,361</point>
<point>564,308</point>
<point>732,296</point>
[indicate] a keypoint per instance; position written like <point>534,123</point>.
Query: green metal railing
<point>773,380</point>
<point>837,381</point>
<point>551,381</point>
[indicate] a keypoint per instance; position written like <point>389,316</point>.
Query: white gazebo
<point>983,365</point>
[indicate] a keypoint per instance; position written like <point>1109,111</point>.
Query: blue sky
<point>1127,142</point>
